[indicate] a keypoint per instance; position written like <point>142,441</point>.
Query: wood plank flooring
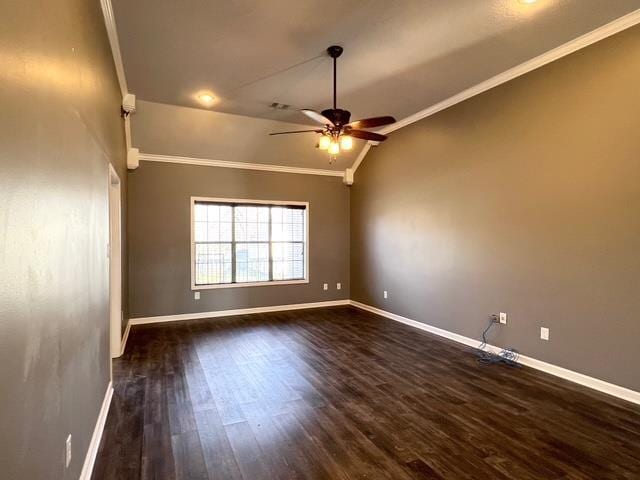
<point>339,393</point>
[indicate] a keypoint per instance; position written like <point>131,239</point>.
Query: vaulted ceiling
<point>400,56</point>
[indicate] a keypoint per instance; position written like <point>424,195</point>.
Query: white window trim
<point>248,284</point>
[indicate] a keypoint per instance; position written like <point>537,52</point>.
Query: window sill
<point>249,284</point>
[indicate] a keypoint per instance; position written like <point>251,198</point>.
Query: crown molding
<point>112,33</point>
<point>240,165</point>
<point>361,155</point>
<point>600,33</point>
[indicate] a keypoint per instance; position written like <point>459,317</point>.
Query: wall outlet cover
<point>503,318</point>
<point>386,295</point>
<point>196,295</point>
<point>325,286</point>
<point>338,286</point>
<point>544,333</point>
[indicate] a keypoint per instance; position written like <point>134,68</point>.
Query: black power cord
<point>508,356</point>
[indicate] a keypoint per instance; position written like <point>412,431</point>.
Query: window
<point>247,242</point>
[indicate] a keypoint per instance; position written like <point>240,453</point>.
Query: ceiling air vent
<point>280,106</point>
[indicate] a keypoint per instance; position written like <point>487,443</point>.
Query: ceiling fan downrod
<point>334,52</point>
<point>337,131</point>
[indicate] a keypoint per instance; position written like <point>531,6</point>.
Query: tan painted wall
<point>159,236</point>
<point>59,123</point>
<point>525,199</point>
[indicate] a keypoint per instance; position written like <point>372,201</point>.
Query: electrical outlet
<point>325,286</point>
<point>338,286</point>
<point>503,318</point>
<point>386,295</point>
<point>67,452</point>
<point>544,333</point>
<point>196,295</point>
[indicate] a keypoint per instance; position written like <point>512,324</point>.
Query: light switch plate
<point>196,295</point>
<point>338,286</point>
<point>67,451</point>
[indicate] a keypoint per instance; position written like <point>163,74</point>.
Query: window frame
<point>244,201</point>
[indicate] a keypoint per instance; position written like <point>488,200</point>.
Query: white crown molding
<point>348,177</point>
<point>360,157</point>
<point>616,26</point>
<point>241,165</point>
<point>90,457</point>
<point>127,134</point>
<point>112,33</point>
<point>575,377</point>
<point>239,311</point>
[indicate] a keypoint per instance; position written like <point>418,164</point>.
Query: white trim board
<point>90,457</point>
<point>611,28</point>
<point>361,155</point>
<point>241,165</point>
<point>125,337</point>
<point>112,33</point>
<point>575,377</point>
<point>114,42</point>
<point>239,311</point>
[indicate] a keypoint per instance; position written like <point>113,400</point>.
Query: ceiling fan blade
<point>372,122</point>
<point>375,137</point>
<point>295,131</point>
<point>316,116</point>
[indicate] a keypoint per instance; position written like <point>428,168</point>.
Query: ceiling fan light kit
<point>338,132</point>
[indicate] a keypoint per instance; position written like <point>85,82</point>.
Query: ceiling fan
<point>337,132</point>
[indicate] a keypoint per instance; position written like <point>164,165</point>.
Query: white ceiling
<point>401,56</point>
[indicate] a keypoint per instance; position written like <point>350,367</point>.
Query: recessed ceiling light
<point>206,99</point>
<point>527,1</point>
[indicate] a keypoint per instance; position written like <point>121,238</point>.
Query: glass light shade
<point>324,142</point>
<point>346,142</point>
<point>334,148</point>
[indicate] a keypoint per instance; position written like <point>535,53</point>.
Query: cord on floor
<point>508,356</point>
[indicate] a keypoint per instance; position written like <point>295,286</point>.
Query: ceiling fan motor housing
<point>338,116</point>
<point>335,51</point>
<point>336,121</point>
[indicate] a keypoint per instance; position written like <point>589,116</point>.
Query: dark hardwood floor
<point>343,394</point>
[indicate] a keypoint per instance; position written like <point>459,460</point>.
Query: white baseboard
<point>584,380</point>
<point>240,311</point>
<point>90,457</point>
<point>125,337</point>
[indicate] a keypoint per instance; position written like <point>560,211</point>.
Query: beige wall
<point>59,125</point>
<point>525,199</point>
<point>159,236</point>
